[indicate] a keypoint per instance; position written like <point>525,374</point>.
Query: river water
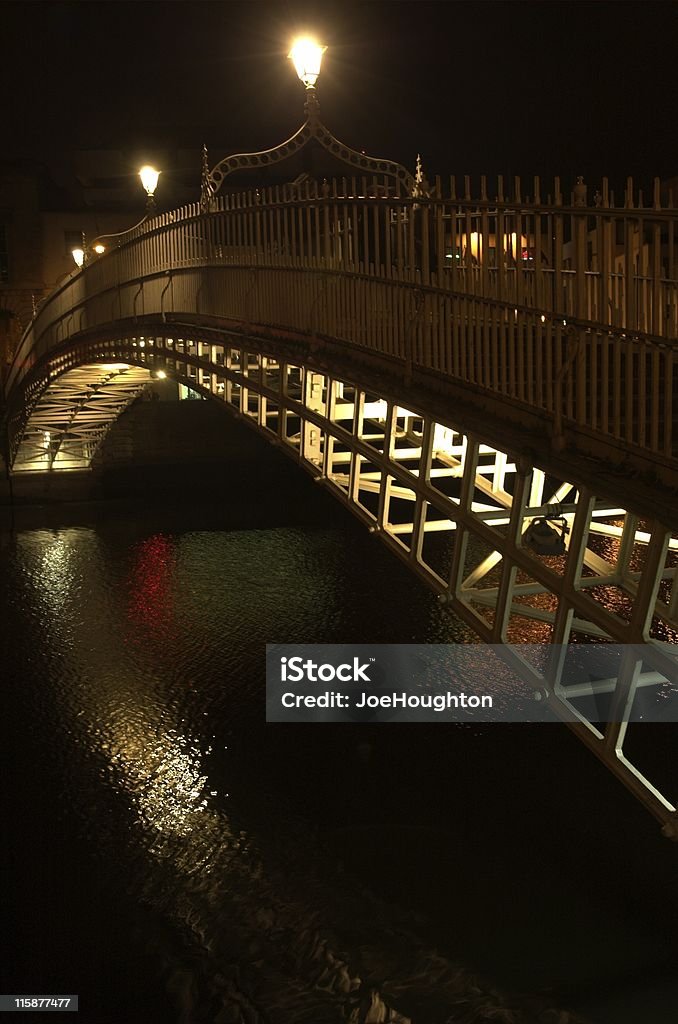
<point>170,857</point>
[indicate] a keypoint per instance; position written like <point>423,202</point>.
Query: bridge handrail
<point>562,269</point>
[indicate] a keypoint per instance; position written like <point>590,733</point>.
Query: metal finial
<point>206,185</point>
<point>421,186</point>
<point>312,106</point>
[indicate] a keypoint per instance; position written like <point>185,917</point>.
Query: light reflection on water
<point>146,666</point>
<point>164,779</point>
<point>145,637</point>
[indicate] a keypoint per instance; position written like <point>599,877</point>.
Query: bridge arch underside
<point>73,412</point>
<point>452,503</point>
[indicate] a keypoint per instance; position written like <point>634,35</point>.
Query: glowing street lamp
<point>78,255</point>
<point>306,55</point>
<point>149,179</point>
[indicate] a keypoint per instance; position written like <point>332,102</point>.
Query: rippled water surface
<point>170,857</point>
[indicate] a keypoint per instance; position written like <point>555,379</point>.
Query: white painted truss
<point>452,506</point>
<point>74,413</point>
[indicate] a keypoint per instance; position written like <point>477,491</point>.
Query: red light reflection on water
<point>151,598</point>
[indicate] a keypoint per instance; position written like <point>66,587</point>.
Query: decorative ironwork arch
<point>312,128</point>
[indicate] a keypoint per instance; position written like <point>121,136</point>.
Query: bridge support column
<point>313,400</point>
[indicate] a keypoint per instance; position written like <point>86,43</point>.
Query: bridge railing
<point>572,309</point>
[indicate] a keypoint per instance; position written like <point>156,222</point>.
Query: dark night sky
<point>513,87</point>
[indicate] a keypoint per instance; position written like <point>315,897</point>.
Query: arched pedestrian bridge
<point>450,366</point>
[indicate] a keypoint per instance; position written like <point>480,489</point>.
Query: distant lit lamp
<point>149,179</point>
<point>79,252</point>
<point>545,539</point>
<point>160,375</point>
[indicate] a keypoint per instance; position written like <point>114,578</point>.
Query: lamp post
<point>79,252</point>
<point>149,179</point>
<point>306,54</point>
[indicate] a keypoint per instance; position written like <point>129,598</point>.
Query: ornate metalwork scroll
<point>313,128</point>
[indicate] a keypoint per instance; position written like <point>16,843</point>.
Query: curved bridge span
<point>446,396</point>
<point>537,311</point>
